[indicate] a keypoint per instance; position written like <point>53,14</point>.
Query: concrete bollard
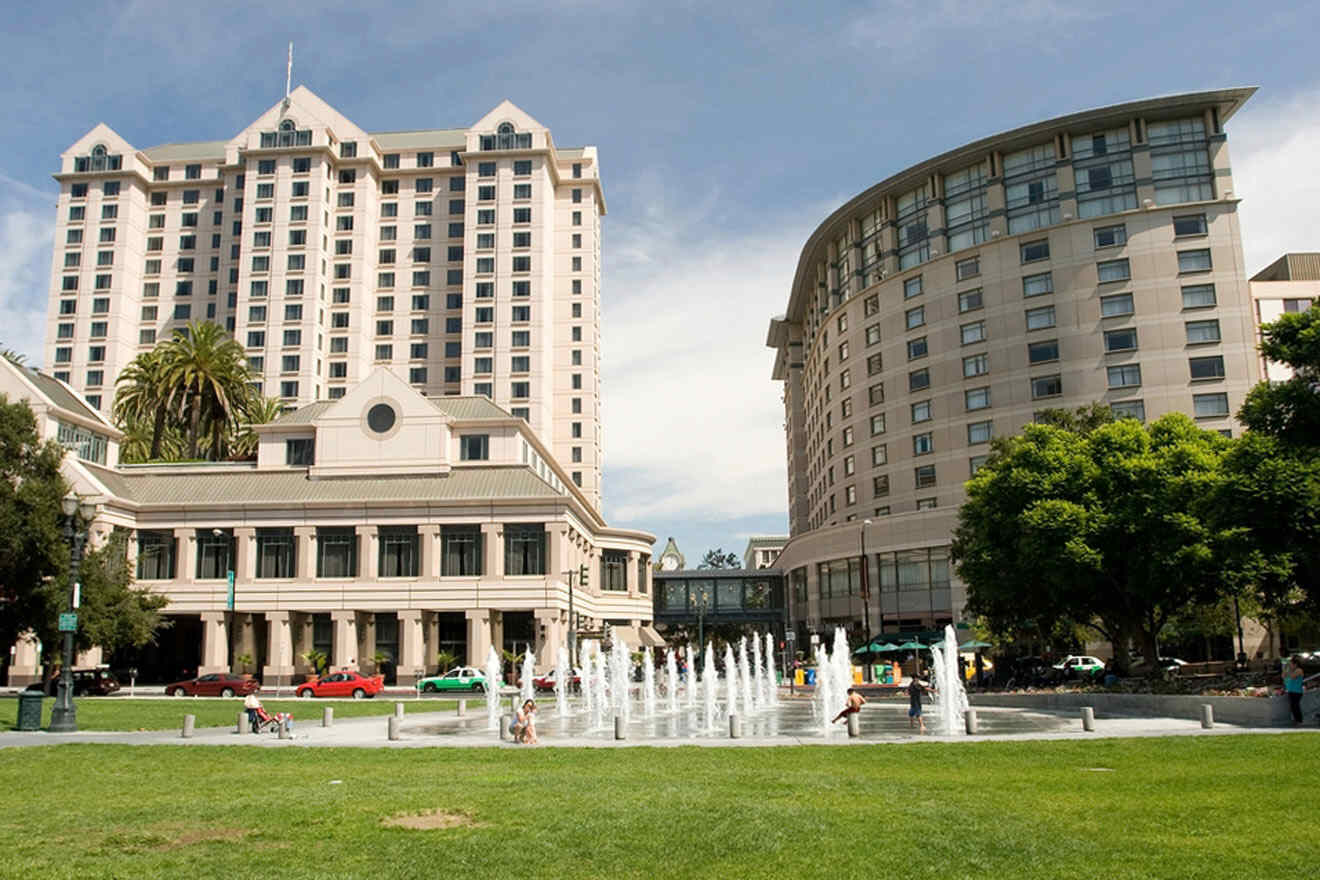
<point>462,708</point>
<point>1088,718</point>
<point>242,726</point>
<point>854,725</point>
<point>969,721</point>
<point>1207,716</point>
<point>189,723</point>
<point>286,730</point>
<point>328,716</point>
<point>735,727</point>
<point>398,710</point>
<point>394,723</point>
<point>620,728</point>
<point>505,721</point>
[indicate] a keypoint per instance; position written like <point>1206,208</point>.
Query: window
<point>275,553</point>
<point>1193,224</point>
<point>1198,296</point>
<point>1110,236</point>
<point>292,337</point>
<point>384,352</point>
<point>1129,409</point>
<point>521,313</point>
<point>879,454</point>
<point>877,424</point>
<point>874,364</point>
<point>923,444</point>
<point>978,433</point>
<point>524,549</point>
<point>94,377</point>
<point>1210,405</point>
<point>1123,375</point>
<point>300,452</point>
<point>848,436</point>
<point>288,389</point>
<point>425,159</point>
<point>845,379</point>
<point>461,550</point>
<point>912,287</point>
<point>1038,319</point>
<point>1031,251</point>
<point>1207,367</point>
<point>256,339</point>
<point>919,380</point>
<point>921,411</point>
<point>1124,339</point>
<point>524,215</point>
<point>398,552</point>
<point>1194,261</point>
<point>973,332</point>
<point>1037,285</point>
<point>916,348</point>
<point>290,363</point>
<point>872,334</point>
<point>1116,305</point>
<point>967,268</point>
<point>880,486</point>
<point>871,305</point>
<point>1046,386</point>
<point>976,365</point>
<point>155,561</point>
<point>1043,352</point>
<point>876,394</point>
<point>1113,270</point>
<point>914,317</point>
<point>924,476</point>
<point>521,338</point>
<point>520,390</point>
<point>1199,332</point>
<point>522,264</point>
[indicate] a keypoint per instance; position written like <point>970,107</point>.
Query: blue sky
<point>726,133</point>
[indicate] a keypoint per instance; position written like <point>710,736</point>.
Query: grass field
<point>126,713</point>
<point>1188,807</point>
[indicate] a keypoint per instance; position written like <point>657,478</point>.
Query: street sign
<point>229,599</point>
<point>68,622</point>
<point>790,636</point>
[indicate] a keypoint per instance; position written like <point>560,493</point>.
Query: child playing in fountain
<point>855,703</point>
<point>915,690</point>
<point>524,724</point>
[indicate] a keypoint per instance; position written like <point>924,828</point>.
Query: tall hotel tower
<point>1092,257</point>
<point>468,260</point>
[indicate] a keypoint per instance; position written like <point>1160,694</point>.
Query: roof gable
<point>506,111</point>
<point>103,134</point>
<point>381,426</point>
<point>307,110</point>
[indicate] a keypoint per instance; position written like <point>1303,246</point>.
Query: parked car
<point>546,682</point>
<point>1080,666</point>
<point>460,678</point>
<point>342,684</point>
<point>88,682</point>
<point>214,684</point>
<point>1166,664</point>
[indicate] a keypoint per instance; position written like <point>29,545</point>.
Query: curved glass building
<point>1092,257</point>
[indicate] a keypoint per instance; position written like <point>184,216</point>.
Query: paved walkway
<point>417,730</point>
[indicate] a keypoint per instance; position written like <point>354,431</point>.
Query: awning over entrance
<point>637,637</point>
<point>651,638</point>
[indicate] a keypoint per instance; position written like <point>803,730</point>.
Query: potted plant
<point>243,661</point>
<point>380,658</point>
<point>317,660</point>
<point>446,661</point>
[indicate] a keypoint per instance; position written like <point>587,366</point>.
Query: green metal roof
<point>60,396</point>
<point>305,414</point>
<point>208,486</point>
<point>449,138</point>
<point>195,150</point>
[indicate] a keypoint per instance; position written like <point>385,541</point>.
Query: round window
<point>380,418</point>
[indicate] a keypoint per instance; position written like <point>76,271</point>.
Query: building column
<point>186,541</point>
<point>549,637</point>
<point>304,550</point>
<point>245,554</point>
<point>343,648</point>
<point>430,640</point>
<point>556,549</point>
<point>630,574</point>
<point>478,636</point>
<point>492,549</point>
<point>132,546</point>
<point>279,650</point>
<point>24,661</point>
<point>215,642</point>
<point>497,631</point>
<point>368,554</point>
<point>428,536</point>
<point>411,664</point>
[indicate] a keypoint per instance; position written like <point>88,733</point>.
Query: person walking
<point>915,691</point>
<point>251,703</point>
<point>1293,685</point>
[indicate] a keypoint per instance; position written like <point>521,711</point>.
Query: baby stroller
<point>266,722</point>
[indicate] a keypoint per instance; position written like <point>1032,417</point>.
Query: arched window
<point>98,158</point>
<point>505,132</point>
<point>288,131</point>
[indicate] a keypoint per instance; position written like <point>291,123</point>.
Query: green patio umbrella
<point>973,645</point>
<point>884,647</point>
<point>912,646</point>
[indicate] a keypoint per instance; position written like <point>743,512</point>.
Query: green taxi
<point>461,678</point>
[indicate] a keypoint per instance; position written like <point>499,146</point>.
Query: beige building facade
<point>379,529</point>
<point>1092,257</point>
<point>468,260</point>
<point>1289,284</point>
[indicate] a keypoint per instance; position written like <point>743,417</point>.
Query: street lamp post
<point>1242,651</point>
<point>64,715</point>
<point>701,619</point>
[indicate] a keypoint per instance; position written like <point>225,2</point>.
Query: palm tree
<point>258,410</point>
<point>16,358</point>
<point>143,397</point>
<point>208,377</point>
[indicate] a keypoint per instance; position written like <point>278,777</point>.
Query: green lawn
<point>123,713</point>
<point>1188,807</point>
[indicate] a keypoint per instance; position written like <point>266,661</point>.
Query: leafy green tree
<point>33,555</point>
<point>717,558</point>
<point>114,613</point>
<point>1289,410</point>
<point>1107,528</point>
<point>257,410</point>
<point>142,399</point>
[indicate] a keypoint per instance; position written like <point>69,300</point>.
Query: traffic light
<point>582,575</point>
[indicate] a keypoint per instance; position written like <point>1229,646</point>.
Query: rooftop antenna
<point>288,76</point>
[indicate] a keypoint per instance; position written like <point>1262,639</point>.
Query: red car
<point>216,684</point>
<point>342,684</point>
<point>546,683</point>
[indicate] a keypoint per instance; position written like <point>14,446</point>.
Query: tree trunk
<point>194,425</point>
<point>157,431</point>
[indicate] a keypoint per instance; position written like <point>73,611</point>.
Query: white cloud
<point>1273,146</point>
<point>693,423</point>
<point>25,248</point>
